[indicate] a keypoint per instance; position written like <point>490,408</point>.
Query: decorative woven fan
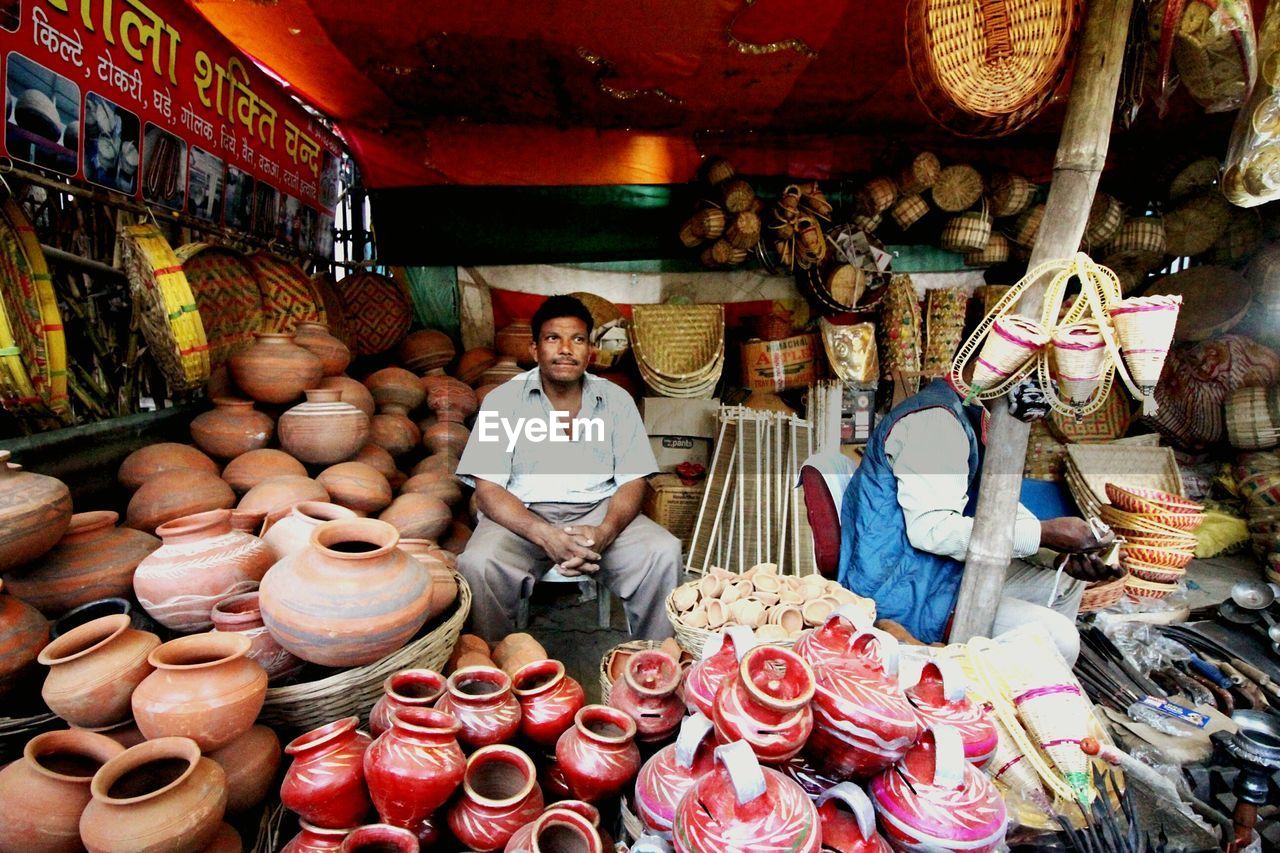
<point>226,292</point>
<point>378,311</point>
<point>287,295</point>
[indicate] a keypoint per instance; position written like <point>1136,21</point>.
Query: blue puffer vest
<point>912,587</point>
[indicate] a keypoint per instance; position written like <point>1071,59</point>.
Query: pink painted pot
<point>408,688</point>
<point>849,821</point>
<point>648,691</point>
<point>939,698</point>
<point>549,699</point>
<point>720,659</point>
<point>415,766</point>
<point>671,772</point>
<point>500,794</point>
<point>598,756</point>
<point>832,641</point>
<point>767,704</point>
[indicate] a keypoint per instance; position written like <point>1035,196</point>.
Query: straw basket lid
<point>908,210</point>
<point>226,292</point>
<point>995,252</point>
<point>1139,244</point>
<point>378,311</point>
<point>986,69</point>
<point>326,289</point>
<point>677,341</point>
<point>603,312</point>
<point>287,296</point>
<point>1196,176</point>
<point>170,319</point>
<point>957,188</point>
<point>37,286</point>
<point>1106,215</point>
<point>1196,223</point>
<point>919,174</point>
<point>1010,193</point>
<point>1214,300</point>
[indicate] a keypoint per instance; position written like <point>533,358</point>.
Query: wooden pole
<point>1082,152</point>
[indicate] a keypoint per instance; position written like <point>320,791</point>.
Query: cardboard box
<point>679,430</point>
<point>778,365</point>
<point>674,505</point>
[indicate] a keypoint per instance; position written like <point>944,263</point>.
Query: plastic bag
<point>1214,45</point>
<point>1252,174</point>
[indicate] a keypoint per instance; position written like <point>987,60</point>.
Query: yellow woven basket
<point>55,344</point>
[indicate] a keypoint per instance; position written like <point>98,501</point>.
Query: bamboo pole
<point>1082,152</point>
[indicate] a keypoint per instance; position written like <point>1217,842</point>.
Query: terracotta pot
<point>245,472</point>
<point>23,633</point>
<point>437,485</point>
<point>232,428</point>
<point>569,826</point>
<point>939,698</point>
<point>86,613</point>
<point>418,516</point>
<point>474,362</point>
<point>356,486</point>
<point>203,688</point>
<point>93,670</point>
<point>277,495</point>
<point>316,839</point>
<point>226,841</point>
<point>378,459</point>
<point>647,691</point>
<point>176,494</point>
<point>446,437</point>
<point>126,734</point>
<point>145,462</point>
<point>849,821</point>
<point>395,390</point>
<point>350,598</point>
<point>549,700</point>
<point>481,699</point>
<point>201,561</point>
<point>250,762</point>
<point>720,660</point>
<point>455,540</point>
<point>241,614</point>
<point>739,800</point>
<point>500,794</point>
<point>325,783</point>
<point>671,772</point>
<point>157,797</point>
<point>34,513</point>
<point>246,521</point>
<point>380,838</point>
<point>315,338</point>
<point>482,391</point>
<point>274,369</point>
<point>426,350</point>
<point>394,433</point>
<point>323,430</point>
<point>415,766</point>
<point>598,756</point>
<point>452,400</point>
<point>408,688</point>
<point>442,463</point>
<point>766,703</point>
<point>517,649</point>
<point>513,341</point>
<point>219,383</point>
<point>53,774</point>
<point>351,391</point>
<point>293,532</point>
<point>832,641</point>
<point>504,370</point>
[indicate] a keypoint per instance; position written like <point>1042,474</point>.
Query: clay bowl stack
<point>1158,533</point>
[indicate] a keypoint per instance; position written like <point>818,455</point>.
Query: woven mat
<point>1091,466</point>
<point>678,341</point>
<point>1106,424</point>
<point>327,290</point>
<point>170,319</point>
<point>378,311</point>
<point>287,295</point>
<point>226,291</point>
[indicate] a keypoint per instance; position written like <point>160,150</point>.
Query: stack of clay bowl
<point>777,607</point>
<point>1158,539</point>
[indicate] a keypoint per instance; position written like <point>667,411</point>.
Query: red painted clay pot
<point>356,486</point>
<point>93,670</point>
<point>549,700</point>
<point>293,532</point>
<point>325,783</point>
<point>157,797</point>
<point>598,757</point>
<point>671,772</point>
<point>426,350</point>
<point>232,428</point>
<point>315,338</point>
<point>444,578</point>
<point>418,516</point>
<point>849,821</point>
<point>648,691</point>
<point>415,766</point>
<point>395,390</point>
<point>766,703</point>
<point>832,641</point>
<point>274,369</point>
<point>250,762</point>
<point>351,391</point>
<point>245,472</point>
<point>380,838</point>
<point>500,794</point>
<point>175,494</point>
<point>277,495</point>
<point>569,825</point>
<point>394,433</point>
<point>408,688</point>
<point>720,659</point>
<point>34,513</point>
<point>316,839</point>
<point>145,462</point>
<point>480,697</point>
<point>23,633</point>
<point>43,793</point>
<point>452,400</point>
<point>808,775</point>
<point>446,437</point>
<point>323,430</point>
<point>939,698</point>
<point>241,614</point>
<point>436,485</point>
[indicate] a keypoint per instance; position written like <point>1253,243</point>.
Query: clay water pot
<point>323,430</point>
<point>418,516</point>
<point>426,350</point>
<point>377,459</point>
<point>514,340</point>
<point>274,369</point>
<point>517,649</point>
<point>334,355</point>
<point>201,561</point>
<point>250,763</point>
<point>474,362</point>
<point>247,522</point>
<point>126,734</point>
<point>241,614</point>
<point>23,634</point>
<point>500,794</point>
<point>34,515</point>
<point>443,463</point>
<point>277,495</point>
<point>480,697</point>
<point>435,485</point>
<point>414,767</point>
<point>444,579</point>
<point>408,688</point>
<point>53,775</point>
<point>232,428</point>
<point>720,659</point>
<point>175,494</point>
<point>293,532</point>
<point>204,688</point>
<point>145,462</point>
<point>766,703</point>
<point>316,839</point>
<point>504,370</point>
<point>849,821</point>
<point>325,783</point>
<point>394,433</point>
<point>549,700</point>
<point>671,772</point>
<point>157,797</point>
<point>350,598</point>
<point>395,390</point>
<point>455,540</point>
<point>939,698</point>
<point>380,838</point>
<point>446,437</point>
<point>86,613</point>
<point>356,486</point>
<point>93,670</point>
<point>647,691</point>
<point>351,391</point>
<point>598,756</point>
<point>832,641</point>
<point>246,471</point>
<point>569,826</point>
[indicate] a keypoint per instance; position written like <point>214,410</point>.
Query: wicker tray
<point>287,295</point>
<point>227,294</point>
<point>39,287</point>
<point>677,341</point>
<point>1091,466</point>
<point>379,312</point>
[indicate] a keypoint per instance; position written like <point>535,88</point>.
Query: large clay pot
<point>514,340</point>
<point>849,821</point>
<point>446,437</point>
<point>277,495</point>
<point>157,797</point>
<point>740,805</point>
<point>720,659</point>
<point>380,838</point>
<point>832,641</point>
<point>378,459</point>
<point>549,700</point>
<point>474,362</point>
<point>43,793</point>
<point>504,370</point>
<point>671,772</point>
<point>766,703</point>
<point>648,692</point>
<point>569,826</point>
<point>316,839</point>
<point>250,762</point>
<point>293,532</point>
<point>334,355</point>
<point>394,433</point>
<point>145,462</point>
<point>480,697</point>
<point>93,670</point>
<point>23,633</point>
<point>452,400</point>
<point>418,516</point>
<point>444,579</point>
<point>408,688</point>
<point>201,562</point>
<point>274,369</point>
<point>241,614</point>
<point>438,485</point>
<point>325,783</point>
<point>324,429</point>
<point>415,766</point>
<point>395,390</point>
<point>203,688</point>
<point>34,513</point>
<point>443,463</point>
<point>351,391</point>
<point>245,472</point>
<point>426,350</point>
<point>935,800</point>
<point>500,794</point>
<point>232,428</point>
<point>939,698</point>
<point>93,560</point>
<point>176,494</point>
<point>598,756</point>
<point>517,649</point>
<point>356,486</point>
<point>350,598</point>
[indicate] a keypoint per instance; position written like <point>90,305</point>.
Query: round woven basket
<point>877,196</point>
<point>287,295</point>
<point>226,292</point>
<point>967,232</point>
<point>920,174</point>
<point>1249,420</point>
<point>693,639</point>
<point>1100,596</point>
<point>1195,224</point>
<point>707,224</point>
<point>957,188</point>
<point>908,211</point>
<point>378,311</point>
<point>1008,349</point>
<point>1139,244</point>
<point>1010,194</point>
<point>1027,226</point>
<point>1195,177</point>
<point>869,223</point>
<point>1080,356</point>
<point>744,232</point>
<point>1105,218</point>
<point>995,252</point>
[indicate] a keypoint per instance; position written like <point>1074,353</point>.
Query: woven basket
<point>1144,330</point>
<point>1196,224</point>
<point>920,174</point>
<point>1091,466</point>
<point>606,683</point>
<point>287,295</point>
<point>327,290</point>
<point>899,331</point>
<point>708,224</point>
<point>1106,215</point>
<point>1137,588</point>
<point>693,639</point>
<point>170,320</point>
<point>967,232</point>
<point>738,195</point>
<point>1250,425</point>
<point>1139,244</point>
<point>1008,349</point>
<point>1100,596</point>
<point>352,692</point>
<point>1010,194</point>
<point>1107,423</point>
<point>54,395</point>
<point>877,196</point>
<point>16,390</point>
<point>744,231</point>
<point>908,210</point>
<point>378,311</point>
<point>1081,356</point>
<point>958,188</point>
<point>677,341</point>
<point>33,342</point>
<point>1057,716</point>
<point>226,292</point>
<point>1027,226</point>
<point>995,252</point>
<point>1240,240</point>
<point>867,223</point>
<point>1196,176</point>
<point>944,329</point>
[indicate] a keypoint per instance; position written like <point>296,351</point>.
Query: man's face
<point>562,350</point>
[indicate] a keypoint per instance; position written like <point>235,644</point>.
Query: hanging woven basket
<point>34,318</point>
<point>1008,350</point>
<point>1144,330</point>
<point>967,232</point>
<point>1080,356</point>
<point>1105,218</point>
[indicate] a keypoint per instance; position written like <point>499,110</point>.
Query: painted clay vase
<point>648,691</point>
<point>418,516</point>
<point>435,485</point>
<point>351,391</point>
<point>549,700</point>
<point>446,437</point>
<point>204,688</point>
<point>426,350</point>
<point>275,496</point>
<point>559,829</point>
<point>201,561</point>
<point>293,532</point>
<point>408,688</point>
<point>863,722</point>
<point>849,821</point>
<point>452,400</point>
<point>323,430</point>
<point>356,486</point>
<point>350,598</point>
<point>232,428</point>
<point>935,800</point>
<point>480,697</point>
<point>740,805</point>
<point>444,579</point>
<point>832,641</point>
<point>720,659</point>
<point>395,390</point>
<point>766,703</point>
<point>671,772</point>
<point>334,355</point>
<point>414,767</point>
<point>34,513</point>
<point>500,794</point>
<point>325,783</point>
<point>161,796</point>
<point>23,634</point>
<point>145,462</point>
<point>248,470</point>
<point>316,839</point>
<point>474,362</point>
<point>241,614</point>
<point>380,838</point>
<point>940,698</point>
<point>54,774</point>
<point>250,762</point>
<point>598,757</point>
<point>93,670</point>
<point>93,560</point>
<point>171,495</point>
<point>808,775</point>
<point>274,369</point>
